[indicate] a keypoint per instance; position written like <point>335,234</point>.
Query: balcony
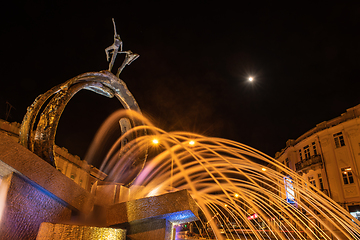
<point>309,163</point>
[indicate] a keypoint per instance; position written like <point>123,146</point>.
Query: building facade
<point>70,165</point>
<point>328,157</point>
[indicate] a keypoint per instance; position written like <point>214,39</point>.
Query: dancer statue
<point>117,47</point>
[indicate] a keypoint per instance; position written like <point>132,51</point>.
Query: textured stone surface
<point>50,231</point>
<point>157,229</point>
<point>16,158</point>
<point>176,207</point>
<point>152,218</point>
<point>26,208</point>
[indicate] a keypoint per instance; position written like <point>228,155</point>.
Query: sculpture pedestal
<point>35,192</point>
<point>156,229</point>
<point>152,218</point>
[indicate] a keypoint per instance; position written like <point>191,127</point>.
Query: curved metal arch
<point>42,140</point>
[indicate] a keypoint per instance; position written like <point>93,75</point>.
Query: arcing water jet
<point>242,192</point>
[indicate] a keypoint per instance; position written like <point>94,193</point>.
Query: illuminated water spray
<point>243,193</point>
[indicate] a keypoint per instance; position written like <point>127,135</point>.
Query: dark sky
<point>193,67</point>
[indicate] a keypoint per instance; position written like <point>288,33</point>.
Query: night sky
<point>193,66</point>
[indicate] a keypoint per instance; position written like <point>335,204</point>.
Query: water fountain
<point>235,191</point>
<point>243,193</point>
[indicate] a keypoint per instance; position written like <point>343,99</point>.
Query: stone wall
<point>33,192</point>
<point>26,207</point>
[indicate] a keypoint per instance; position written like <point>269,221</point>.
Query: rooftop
<point>350,113</point>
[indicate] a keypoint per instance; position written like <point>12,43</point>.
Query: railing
<point>308,162</point>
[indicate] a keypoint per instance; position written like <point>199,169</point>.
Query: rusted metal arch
<point>42,140</point>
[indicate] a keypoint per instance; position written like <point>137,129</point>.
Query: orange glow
<point>155,141</point>
<point>192,143</point>
<point>225,205</point>
<point>263,169</point>
<point>236,195</point>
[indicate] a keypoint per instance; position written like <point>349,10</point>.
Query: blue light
<point>289,188</point>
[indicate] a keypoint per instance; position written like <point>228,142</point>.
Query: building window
<point>355,211</point>
<point>314,148</point>
<point>321,182</point>
<point>300,153</point>
<point>347,175</point>
<point>339,140</point>
<point>72,176</point>
<point>307,152</point>
<point>312,181</point>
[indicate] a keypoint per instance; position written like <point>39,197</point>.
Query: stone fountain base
<point>33,192</point>
<point>53,231</point>
<point>152,218</point>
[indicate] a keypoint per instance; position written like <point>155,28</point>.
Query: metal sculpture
<point>41,140</point>
<point>117,47</point>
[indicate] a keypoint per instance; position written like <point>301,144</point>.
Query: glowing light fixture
<point>225,205</point>
<point>263,169</point>
<point>192,143</point>
<point>236,195</point>
<point>252,216</point>
<point>251,79</point>
<point>155,141</point>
